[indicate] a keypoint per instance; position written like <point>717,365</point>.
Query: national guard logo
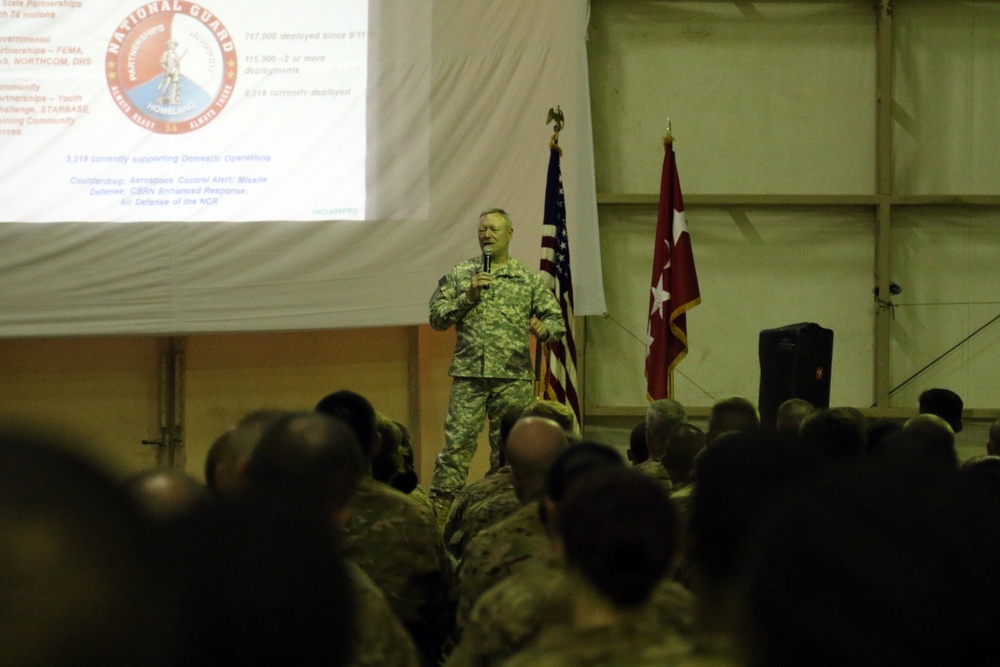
<point>171,66</point>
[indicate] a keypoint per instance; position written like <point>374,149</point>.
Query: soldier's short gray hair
<point>498,211</point>
<point>663,416</point>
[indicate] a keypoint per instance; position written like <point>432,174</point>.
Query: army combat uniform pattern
<point>509,616</point>
<point>626,644</point>
<point>481,516</point>
<point>467,521</point>
<point>471,494</point>
<point>379,638</point>
<point>491,365</point>
<point>497,552</point>
<point>655,469</point>
<point>421,497</point>
<point>395,540</point>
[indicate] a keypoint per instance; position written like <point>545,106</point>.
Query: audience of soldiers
<point>827,540</point>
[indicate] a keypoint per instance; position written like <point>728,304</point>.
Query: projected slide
<point>224,110</point>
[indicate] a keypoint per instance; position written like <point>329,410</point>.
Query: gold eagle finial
<point>557,116</point>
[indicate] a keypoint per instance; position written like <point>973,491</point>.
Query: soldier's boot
<point>441,502</point>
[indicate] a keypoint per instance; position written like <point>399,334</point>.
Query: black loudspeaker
<point>794,363</point>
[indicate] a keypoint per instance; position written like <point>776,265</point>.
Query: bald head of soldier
<point>168,495</point>
<point>533,444</point>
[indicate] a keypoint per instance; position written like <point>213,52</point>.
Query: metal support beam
<point>170,439</point>
<point>884,191</point>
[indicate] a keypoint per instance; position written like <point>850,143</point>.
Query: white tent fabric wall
<point>484,75</point>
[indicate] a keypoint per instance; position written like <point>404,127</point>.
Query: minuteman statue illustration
<point>170,86</point>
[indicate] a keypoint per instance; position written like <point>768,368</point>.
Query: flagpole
<point>673,283</point>
<point>555,115</point>
<point>668,140</point>
<point>558,380</point>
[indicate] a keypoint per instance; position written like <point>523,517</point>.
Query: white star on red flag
<point>660,296</point>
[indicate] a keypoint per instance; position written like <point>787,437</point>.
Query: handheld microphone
<point>487,258</point>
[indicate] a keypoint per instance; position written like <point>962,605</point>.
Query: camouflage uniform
<point>395,540</point>
<point>491,366</point>
<point>625,644</point>
<point>498,551</point>
<point>509,616</point>
<point>681,496</point>
<point>671,609</point>
<point>472,493</point>
<point>421,497</point>
<point>710,652</point>
<point>482,515</point>
<point>378,637</point>
<point>655,469</point>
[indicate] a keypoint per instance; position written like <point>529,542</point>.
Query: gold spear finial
<point>668,138</point>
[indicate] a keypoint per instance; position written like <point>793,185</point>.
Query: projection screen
<point>171,167</point>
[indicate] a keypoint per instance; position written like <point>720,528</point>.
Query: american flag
<point>560,379</point>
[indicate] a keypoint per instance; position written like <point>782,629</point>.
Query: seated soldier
<point>511,614</point>
<point>558,412</point>
<point>736,480</point>
<point>503,502</point>
<point>395,539</point>
<point>924,449</point>
<point>393,462</point>
<point>993,442</point>
<point>944,403</point>
<point>873,569</point>
<point>878,430</point>
<point>637,451</point>
<point>315,461</point>
<point>833,437</point>
<point>228,456</point>
<point>731,414</point>
<point>684,444</point>
<point>533,444</point>
<point>168,495</point>
<point>457,530</point>
<point>791,414</point>
<point>81,583</point>
<point>983,471</point>
<point>406,479</point>
<point>615,533</point>
<point>662,417</point>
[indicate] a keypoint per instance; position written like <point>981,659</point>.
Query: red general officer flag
<point>674,286</point>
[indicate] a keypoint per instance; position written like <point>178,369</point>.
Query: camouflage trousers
<point>472,400</point>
